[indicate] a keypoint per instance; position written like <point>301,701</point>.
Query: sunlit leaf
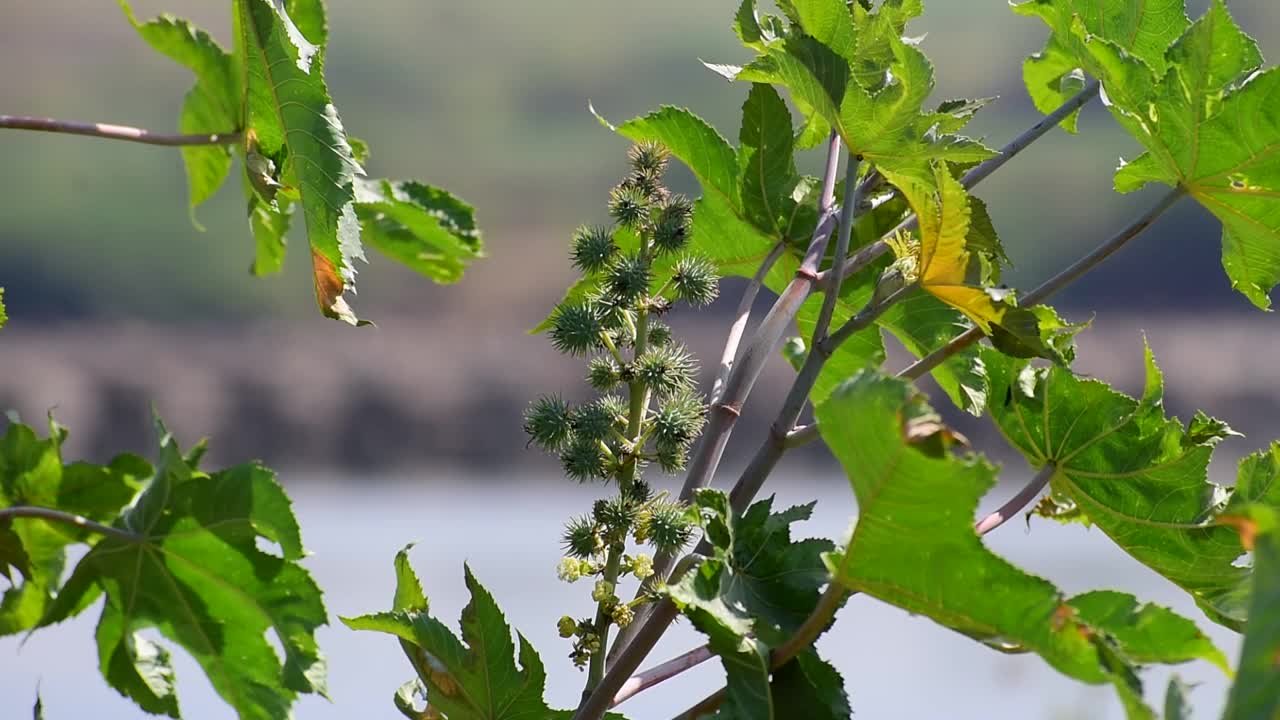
<point>914,546</point>
<point>881,122</point>
<point>1139,477</point>
<point>1143,30</point>
<point>32,473</point>
<point>1201,108</point>
<point>291,122</point>
<point>194,573</point>
<point>425,228</point>
<point>211,106</point>
<point>1256,693</point>
<point>755,590</point>
<point>472,678</point>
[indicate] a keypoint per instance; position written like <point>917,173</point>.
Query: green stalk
<point>639,396</point>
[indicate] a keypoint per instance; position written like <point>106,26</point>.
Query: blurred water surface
<point>895,665</point>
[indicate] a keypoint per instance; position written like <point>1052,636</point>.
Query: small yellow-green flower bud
<point>569,569</point>
<point>622,615</point>
<point>642,567</point>
<point>567,627</point>
<point>602,591</point>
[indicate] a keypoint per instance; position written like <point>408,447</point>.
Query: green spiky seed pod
<point>548,422</point>
<point>673,225</point>
<point>627,279</point>
<point>617,514</point>
<point>593,421</point>
<point>584,461</point>
<point>667,370</point>
<point>668,527</point>
<point>603,373</point>
<point>677,422</point>
<point>617,408</point>
<point>593,248</point>
<point>613,313</point>
<point>629,206</point>
<point>649,156</point>
<point>581,537</point>
<point>658,306</point>
<point>576,328</point>
<point>673,459</point>
<point>659,333</point>
<point>640,492</point>
<point>647,183</point>
<point>696,281</point>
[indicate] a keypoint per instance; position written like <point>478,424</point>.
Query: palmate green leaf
<point>427,229</point>
<point>291,122</point>
<point>195,574</point>
<point>1256,693</point>
<point>707,154</point>
<point>1201,109</point>
<point>1147,633</point>
<point>1139,477</point>
<point>844,86</point>
<point>1143,30</point>
<point>914,546</point>
<point>32,473</point>
<point>755,590</point>
<point>767,163</point>
<point>478,680</point>
<point>211,106</point>
<point>1220,145</point>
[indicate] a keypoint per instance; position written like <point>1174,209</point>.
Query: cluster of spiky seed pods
<point>649,411</point>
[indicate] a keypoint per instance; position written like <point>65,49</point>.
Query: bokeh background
<point>411,430</point>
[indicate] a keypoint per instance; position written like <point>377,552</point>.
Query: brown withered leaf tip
<point>1061,616</point>
<point>329,290</point>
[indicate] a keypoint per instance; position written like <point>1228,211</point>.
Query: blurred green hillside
<point>487,98</point>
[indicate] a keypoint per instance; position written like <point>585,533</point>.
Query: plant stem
<point>1017,502</point>
<point>780,435</point>
<point>640,682</point>
<point>1077,269</point>
<point>116,132</point>
<point>869,253</point>
<point>639,394</point>
<point>730,353</point>
<point>60,516</point>
<point>828,196</point>
<point>852,198</point>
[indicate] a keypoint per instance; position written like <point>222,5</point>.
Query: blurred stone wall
<point>412,394</point>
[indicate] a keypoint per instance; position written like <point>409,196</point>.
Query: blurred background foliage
<point>487,98</point>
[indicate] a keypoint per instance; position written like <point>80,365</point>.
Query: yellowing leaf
<point>942,205</point>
